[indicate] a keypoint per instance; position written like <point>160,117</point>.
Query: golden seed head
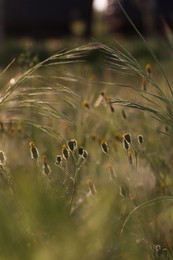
<point>65,152</point>
<point>128,138</point>
<point>140,139</point>
<point>58,160</point>
<point>104,147</point>
<point>86,104</point>
<point>80,151</point>
<point>34,151</point>
<point>32,144</point>
<point>148,68</point>
<point>126,145</point>
<point>84,154</point>
<point>72,145</point>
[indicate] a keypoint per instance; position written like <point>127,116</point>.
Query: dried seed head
<point>126,145</point>
<point>84,154</point>
<point>80,151</point>
<point>2,157</point>
<point>158,250</point>
<point>72,145</point>
<point>46,168</point>
<point>65,152</point>
<point>86,104</point>
<point>104,147</point>
<point>58,160</point>
<point>140,139</point>
<point>34,151</point>
<point>128,138</point>
<point>92,188</point>
<point>148,68</point>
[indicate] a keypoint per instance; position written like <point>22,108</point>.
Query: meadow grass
<point>86,157</point>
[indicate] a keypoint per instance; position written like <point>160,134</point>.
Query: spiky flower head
<point>104,147</point>
<point>34,151</point>
<point>65,152</point>
<point>140,139</point>
<point>72,145</point>
<point>46,168</point>
<point>128,138</point>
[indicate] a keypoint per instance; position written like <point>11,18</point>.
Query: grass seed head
<point>104,147</point>
<point>148,68</point>
<point>92,188</point>
<point>72,145</point>
<point>140,139</point>
<point>34,151</point>
<point>46,168</point>
<point>80,151</point>
<point>126,145</point>
<point>128,138</point>
<point>86,104</point>
<point>65,152</point>
<point>58,160</point>
<point>85,154</point>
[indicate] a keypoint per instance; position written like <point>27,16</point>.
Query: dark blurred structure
<point>149,16</point>
<point>44,18</point>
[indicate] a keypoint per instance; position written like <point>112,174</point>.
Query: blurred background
<point>41,21</point>
<point>43,18</point>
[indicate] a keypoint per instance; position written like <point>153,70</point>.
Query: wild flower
<point>84,154</point>
<point>65,152</point>
<point>80,150</point>
<point>72,145</point>
<point>148,68</point>
<point>126,145</point>
<point>104,147</point>
<point>86,104</point>
<point>140,139</point>
<point>46,168</point>
<point>128,138</point>
<point>58,160</point>
<point>34,151</point>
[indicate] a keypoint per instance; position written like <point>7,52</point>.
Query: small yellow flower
<point>148,68</point>
<point>86,104</point>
